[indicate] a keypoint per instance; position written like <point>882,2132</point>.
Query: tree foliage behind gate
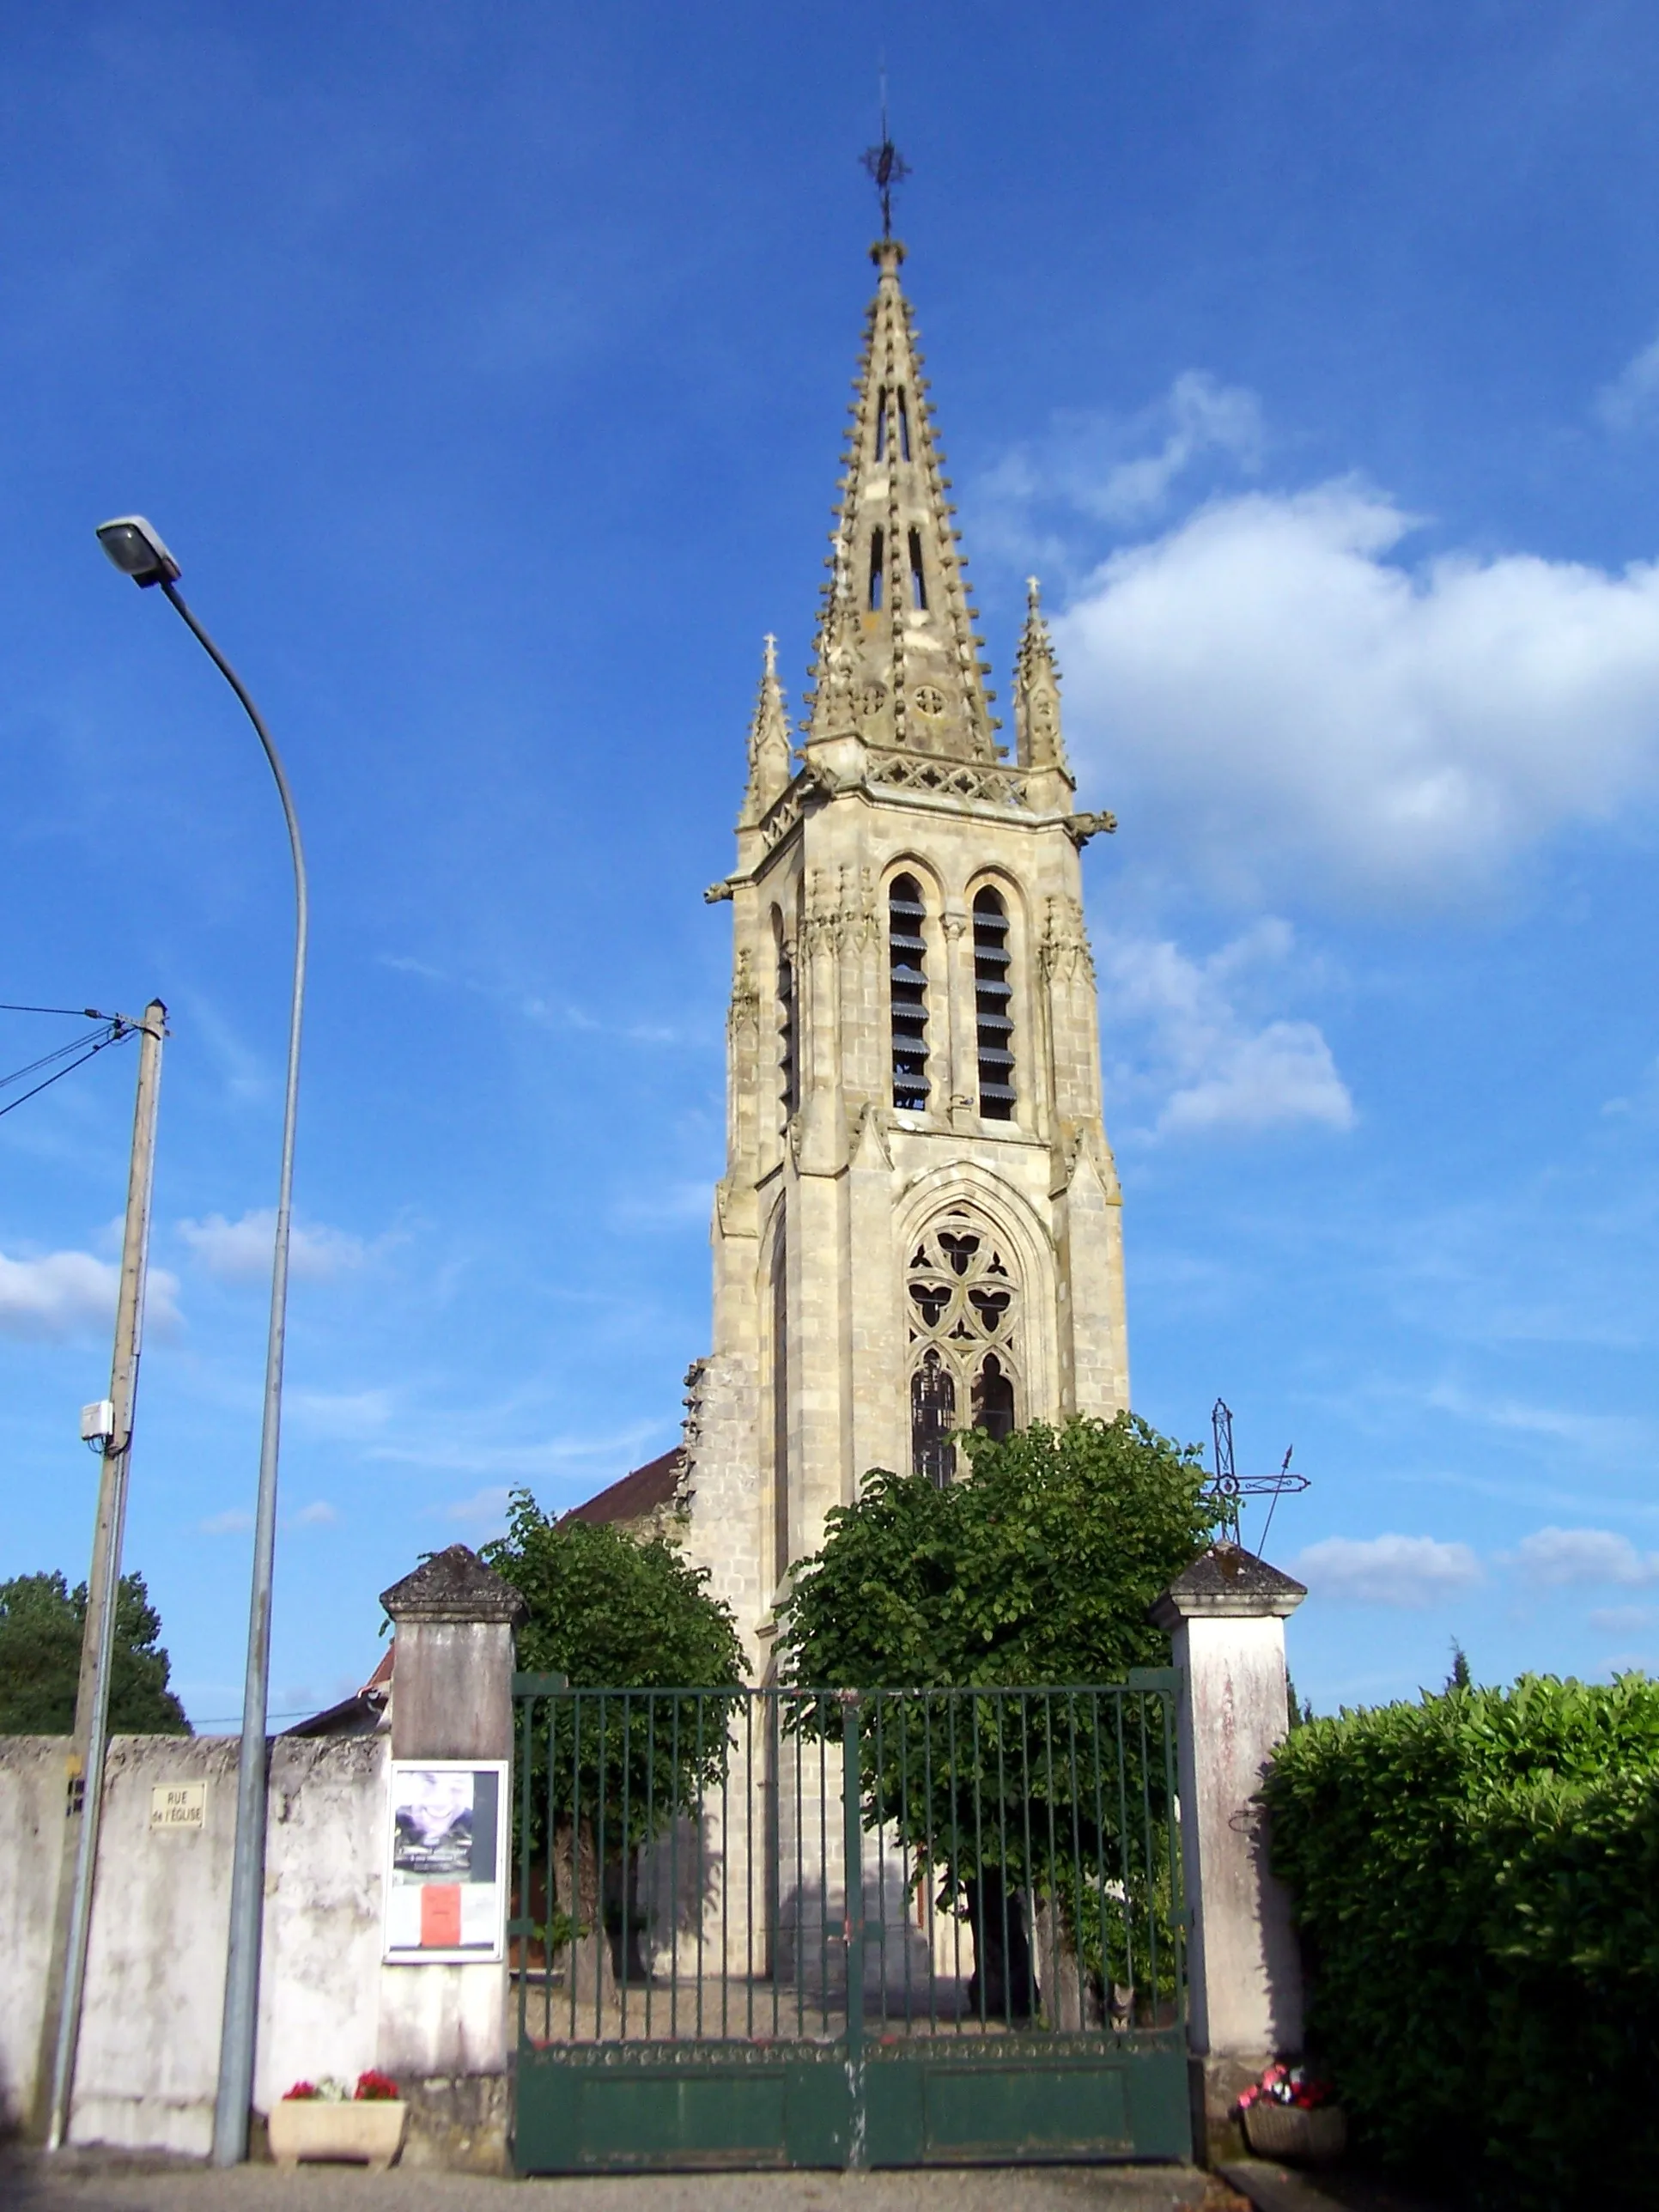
<point>611,1612</point>
<point>1032,1573</point>
<point>1037,1567</point>
<point>1476,1877</point>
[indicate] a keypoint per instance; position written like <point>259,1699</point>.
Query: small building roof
<point>361,1714</point>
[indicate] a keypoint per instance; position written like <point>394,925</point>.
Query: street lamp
<point>138,551</point>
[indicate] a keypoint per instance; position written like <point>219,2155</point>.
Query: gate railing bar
<point>1178,1900</point>
<point>853,1885</point>
<point>617,1816</point>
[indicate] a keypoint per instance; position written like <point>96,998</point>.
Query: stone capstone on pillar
<point>452,1684</point>
<point>1227,1614</point>
<point>443,2027</point>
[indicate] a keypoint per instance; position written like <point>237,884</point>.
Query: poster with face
<point>446,1897</point>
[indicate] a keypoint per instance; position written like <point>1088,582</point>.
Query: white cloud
<point>1286,696</point>
<point>66,1294</point>
<point>1592,1432</point>
<point>1412,1572</point>
<point>1100,467</point>
<point>1554,1558</point>
<point>674,1205</point>
<point>241,1251</point>
<point>486,1510</point>
<point>319,1514</point>
<point>341,1414</point>
<point>535,1455</point>
<point>1622,1619</point>
<point>1214,1067</point>
<point>225,1524</point>
<point>1631,402</point>
<point>1203,416</point>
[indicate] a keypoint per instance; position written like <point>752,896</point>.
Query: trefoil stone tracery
<point>962,1317</point>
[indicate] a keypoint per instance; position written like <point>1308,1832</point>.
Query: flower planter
<point>360,2131</point>
<point>1302,2134</point>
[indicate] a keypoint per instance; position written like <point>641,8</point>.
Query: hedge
<point>1476,1878</point>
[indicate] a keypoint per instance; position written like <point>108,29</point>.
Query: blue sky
<point>485,368</point>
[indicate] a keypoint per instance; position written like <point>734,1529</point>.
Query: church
<point>918,1231</point>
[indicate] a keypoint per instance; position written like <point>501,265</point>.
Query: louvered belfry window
<point>907,957</point>
<point>993,1006</point>
<point>961,1314</point>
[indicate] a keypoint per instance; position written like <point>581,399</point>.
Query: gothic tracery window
<point>906,986</point>
<point>962,1303</point>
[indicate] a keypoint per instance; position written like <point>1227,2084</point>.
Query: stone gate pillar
<point>443,2029</point>
<point>1244,1976</point>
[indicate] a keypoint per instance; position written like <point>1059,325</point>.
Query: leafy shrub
<point>1476,1877</point>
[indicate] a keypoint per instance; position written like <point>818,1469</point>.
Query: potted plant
<point>1290,2114</point>
<point>324,2119</point>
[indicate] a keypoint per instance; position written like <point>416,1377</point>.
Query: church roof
<point>645,1489</point>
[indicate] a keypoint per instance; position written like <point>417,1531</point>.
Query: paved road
<point>82,2184</point>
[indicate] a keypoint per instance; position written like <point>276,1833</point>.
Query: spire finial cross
<point>886,165</point>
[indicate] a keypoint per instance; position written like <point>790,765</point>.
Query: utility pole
<point>86,1777</point>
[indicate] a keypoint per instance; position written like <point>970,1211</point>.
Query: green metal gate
<point>699,1983</point>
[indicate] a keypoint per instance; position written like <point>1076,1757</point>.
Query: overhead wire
<point>113,1032</point>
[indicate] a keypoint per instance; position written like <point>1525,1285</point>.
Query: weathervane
<point>1226,1488</point>
<point>886,165</point>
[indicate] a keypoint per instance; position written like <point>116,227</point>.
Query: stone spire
<point>896,662</point>
<point>770,762</point>
<point>1039,744</point>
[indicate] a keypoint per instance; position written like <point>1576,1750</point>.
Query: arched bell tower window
<point>877,541</point>
<point>994,998</point>
<point>907,985</point>
<point>962,1306</point>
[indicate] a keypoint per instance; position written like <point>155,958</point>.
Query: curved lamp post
<point>136,548</point>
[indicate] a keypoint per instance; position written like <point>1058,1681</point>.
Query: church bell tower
<point>918,1229</point>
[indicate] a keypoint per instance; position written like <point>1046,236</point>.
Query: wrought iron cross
<point>1227,1488</point>
<point>886,165</point>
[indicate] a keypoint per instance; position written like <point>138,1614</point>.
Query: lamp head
<point>135,547</point>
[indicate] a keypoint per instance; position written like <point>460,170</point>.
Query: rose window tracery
<point>962,1310</point>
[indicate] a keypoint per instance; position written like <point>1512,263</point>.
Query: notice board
<point>446,1858</point>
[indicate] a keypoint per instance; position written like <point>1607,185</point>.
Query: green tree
<point>1038,1566</point>
<point>41,1624</point>
<point>609,1612</point>
<point>1035,1569</point>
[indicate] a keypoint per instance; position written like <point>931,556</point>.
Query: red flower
<point>300,2089</point>
<point>375,2087</point>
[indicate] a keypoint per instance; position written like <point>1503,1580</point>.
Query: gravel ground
<point>79,2182</point>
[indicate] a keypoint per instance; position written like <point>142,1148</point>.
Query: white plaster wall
<point>319,1988</point>
<point>1245,1976</point>
<point>33,1778</point>
<point>148,2055</point>
<point>442,2020</point>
